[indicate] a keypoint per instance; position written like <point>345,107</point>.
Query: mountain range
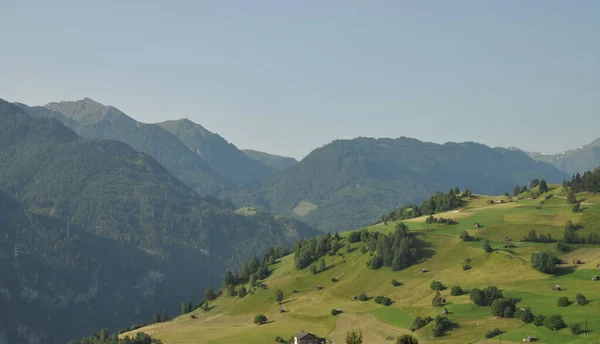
<point>171,205</point>
<point>94,224</point>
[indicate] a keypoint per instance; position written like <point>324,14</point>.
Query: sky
<point>286,77</point>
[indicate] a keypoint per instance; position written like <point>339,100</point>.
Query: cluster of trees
<point>486,296</point>
<point>383,300</point>
<point>456,291</point>
<point>465,236</point>
<point>552,322</point>
<point>307,251</point>
<point>431,219</point>
<point>420,322</point>
<point>571,237</point>
<point>588,182</point>
<point>255,269</point>
<point>437,203</point>
<point>104,337</point>
<point>437,285</point>
<point>533,237</point>
<point>442,324</point>
<point>493,333</point>
<point>543,261</point>
<point>395,250</point>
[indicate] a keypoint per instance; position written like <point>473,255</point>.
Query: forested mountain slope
<point>276,161</point>
<point>350,183</point>
<point>221,155</point>
<point>91,119</point>
<point>132,212</point>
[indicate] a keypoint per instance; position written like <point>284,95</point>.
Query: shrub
<point>437,300</point>
<point>435,285</point>
<point>396,283</point>
<point>543,262</point>
<point>464,236</point>
<point>580,299</point>
<point>333,280</point>
<point>526,316</point>
<point>493,333</point>
<point>420,322</point>
<point>313,269</point>
<point>407,339</point>
<point>563,301</point>
<point>382,300</point>
<point>486,245</point>
<point>539,320</point>
<point>441,324</point>
<point>575,328</point>
<point>576,207</point>
<point>335,312</point>
<point>503,307</point>
<point>466,266</point>
<point>555,322</point>
<point>241,293</point>
<point>260,319</point>
<point>363,249</point>
<point>362,296</point>
<point>456,291</point>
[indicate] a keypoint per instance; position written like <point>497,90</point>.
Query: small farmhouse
<point>308,338</point>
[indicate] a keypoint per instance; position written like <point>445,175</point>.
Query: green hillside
<point>351,183</point>
<point>144,230</point>
<point>222,156</point>
<point>438,249</point>
<point>276,161</point>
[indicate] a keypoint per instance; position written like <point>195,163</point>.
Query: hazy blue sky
<point>288,76</point>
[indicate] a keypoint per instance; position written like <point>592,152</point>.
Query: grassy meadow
<point>230,319</point>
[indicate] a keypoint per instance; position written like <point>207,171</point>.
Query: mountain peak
<point>87,111</point>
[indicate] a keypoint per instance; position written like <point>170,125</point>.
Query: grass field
<point>231,318</point>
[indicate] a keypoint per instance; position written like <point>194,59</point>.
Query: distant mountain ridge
<point>350,183</point>
<point>578,160</point>
<point>221,155</point>
<point>276,161</point>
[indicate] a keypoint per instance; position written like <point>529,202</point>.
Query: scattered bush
<point>242,292</point>
<point>486,245</point>
<point>396,283</point>
<point>407,339</point>
<point>333,279</point>
<point>555,322</point>
<point>464,236</point>
<point>437,299</point>
<point>363,296</point>
<point>382,300</point>
<point>456,291</point>
<point>575,328</point>
<point>466,266</point>
<point>420,322</point>
<point>335,312</point>
<point>441,325</point>
<point>580,299</point>
<point>576,207</point>
<point>563,301</point>
<point>354,236</point>
<point>539,320</point>
<point>313,269</point>
<point>493,333</point>
<point>435,285</point>
<point>525,316</point>
<point>260,319</point>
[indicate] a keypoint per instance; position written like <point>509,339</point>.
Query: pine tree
<point>156,318</point>
<point>164,317</point>
<point>183,308</point>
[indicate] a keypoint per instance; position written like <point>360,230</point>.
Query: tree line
<point>588,182</point>
<point>437,203</point>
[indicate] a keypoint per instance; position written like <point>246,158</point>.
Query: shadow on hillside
<point>268,322</point>
<point>424,249</point>
<point>563,271</point>
<point>288,301</point>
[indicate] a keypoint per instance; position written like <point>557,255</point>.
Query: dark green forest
<point>114,215</point>
<point>440,202</point>
<point>350,183</point>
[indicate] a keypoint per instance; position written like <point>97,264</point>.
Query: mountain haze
<point>276,161</point>
<point>91,119</point>
<point>114,215</point>
<point>573,161</point>
<point>221,155</point>
<point>351,183</point>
